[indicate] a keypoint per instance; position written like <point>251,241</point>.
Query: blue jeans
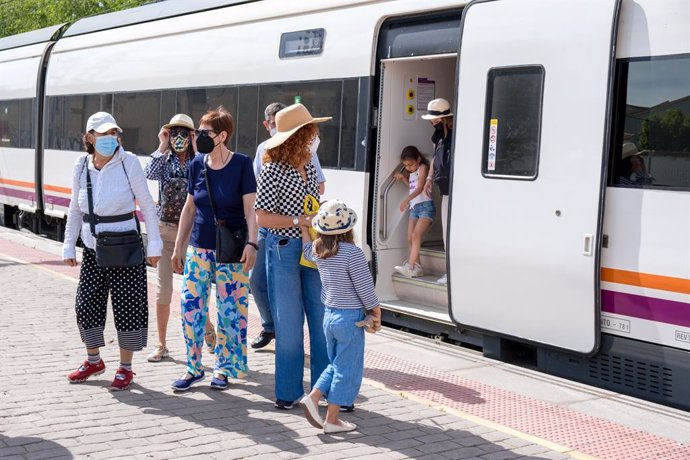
<point>259,284</point>
<point>294,291</point>
<point>341,380</point>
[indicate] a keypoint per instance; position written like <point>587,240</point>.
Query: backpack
<point>173,195</point>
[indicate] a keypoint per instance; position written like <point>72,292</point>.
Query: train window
<point>322,98</point>
<point>16,125</point>
<point>247,120</point>
<point>77,110</point>
<point>66,117</point>
<point>141,115</point>
<point>54,121</point>
<point>513,122</point>
<point>348,125</point>
<point>301,43</point>
<point>652,118</point>
<point>138,114</point>
<point>192,102</point>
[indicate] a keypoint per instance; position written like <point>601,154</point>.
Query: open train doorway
<point>410,77</point>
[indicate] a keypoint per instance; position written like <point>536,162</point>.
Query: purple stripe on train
<point>50,199</point>
<point>22,194</point>
<point>649,308</point>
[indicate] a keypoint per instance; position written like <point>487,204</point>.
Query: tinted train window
<point>247,120</point>
<point>66,116</point>
<point>513,122</point>
<point>16,123</point>
<point>142,114</point>
<point>652,138</point>
<point>322,98</point>
<point>139,116</point>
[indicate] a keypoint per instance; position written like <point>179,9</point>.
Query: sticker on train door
<point>493,133</point>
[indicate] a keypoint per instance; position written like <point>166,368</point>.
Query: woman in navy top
<point>233,189</point>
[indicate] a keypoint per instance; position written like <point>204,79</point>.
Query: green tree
<point>17,16</point>
<point>669,132</point>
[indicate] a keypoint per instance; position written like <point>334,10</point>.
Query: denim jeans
<point>259,284</point>
<point>294,291</point>
<point>341,380</point>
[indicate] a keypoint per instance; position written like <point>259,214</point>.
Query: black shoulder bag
<point>230,242</point>
<point>115,249</point>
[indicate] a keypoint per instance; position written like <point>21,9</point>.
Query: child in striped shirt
<point>348,294</point>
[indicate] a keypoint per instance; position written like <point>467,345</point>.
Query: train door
<point>417,62</point>
<point>527,184</point>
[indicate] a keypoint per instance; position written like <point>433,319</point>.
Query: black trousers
<point>127,288</point>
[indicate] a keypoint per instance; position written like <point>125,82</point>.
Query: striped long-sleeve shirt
<point>346,281</point>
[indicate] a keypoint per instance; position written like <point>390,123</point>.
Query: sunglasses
<point>204,132</point>
<point>174,132</point>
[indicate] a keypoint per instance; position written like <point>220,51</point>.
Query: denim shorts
<point>423,210</point>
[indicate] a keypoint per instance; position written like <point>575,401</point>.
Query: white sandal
<point>158,353</point>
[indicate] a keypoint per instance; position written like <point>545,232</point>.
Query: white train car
<point>570,202</point>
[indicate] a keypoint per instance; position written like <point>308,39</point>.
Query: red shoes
<point>123,377</point>
<point>85,371</point>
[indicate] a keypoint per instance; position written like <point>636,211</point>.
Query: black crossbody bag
<point>230,242</point>
<point>115,249</point>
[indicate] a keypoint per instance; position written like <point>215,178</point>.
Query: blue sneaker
<point>185,382</point>
<point>219,382</point>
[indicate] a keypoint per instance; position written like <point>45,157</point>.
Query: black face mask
<point>438,133</point>
<point>204,143</point>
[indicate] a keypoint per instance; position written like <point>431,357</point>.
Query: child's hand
<point>398,176</point>
<point>372,322</point>
<point>376,315</point>
<point>404,205</point>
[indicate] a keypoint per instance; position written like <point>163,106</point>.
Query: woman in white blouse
<point>117,180</point>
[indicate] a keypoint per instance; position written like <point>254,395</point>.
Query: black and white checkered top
<point>281,190</point>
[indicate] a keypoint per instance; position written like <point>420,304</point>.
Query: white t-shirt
<point>422,197</point>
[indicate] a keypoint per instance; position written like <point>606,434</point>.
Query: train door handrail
<point>387,185</point>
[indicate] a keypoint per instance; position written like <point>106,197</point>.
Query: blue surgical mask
<point>273,132</point>
<point>106,145</point>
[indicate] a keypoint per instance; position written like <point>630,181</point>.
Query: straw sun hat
<point>180,120</point>
<point>288,121</point>
<point>334,218</point>
<point>437,108</point>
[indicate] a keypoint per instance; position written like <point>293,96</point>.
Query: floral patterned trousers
<point>232,301</point>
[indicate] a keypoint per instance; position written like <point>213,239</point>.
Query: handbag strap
<point>208,188</point>
<point>94,218</point>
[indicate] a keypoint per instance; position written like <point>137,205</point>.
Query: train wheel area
<point>420,398</point>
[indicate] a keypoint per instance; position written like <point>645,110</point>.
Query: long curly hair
<point>295,151</point>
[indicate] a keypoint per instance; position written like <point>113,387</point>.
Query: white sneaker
<point>405,270</point>
<point>417,271</point>
<point>443,279</point>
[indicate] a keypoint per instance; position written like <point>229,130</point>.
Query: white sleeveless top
<point>421,198</point>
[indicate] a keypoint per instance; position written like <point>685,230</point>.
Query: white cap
<point>101,122</point>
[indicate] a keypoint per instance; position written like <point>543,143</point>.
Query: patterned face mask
<point>179,143</point>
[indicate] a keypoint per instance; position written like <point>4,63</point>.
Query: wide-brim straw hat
<point>185,121</point>
<point>437,108</point>
<point>630,150</point>
<point>334,218</point>
<point>289,121</point>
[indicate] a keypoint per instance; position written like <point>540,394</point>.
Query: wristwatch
<point>295,221</point>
